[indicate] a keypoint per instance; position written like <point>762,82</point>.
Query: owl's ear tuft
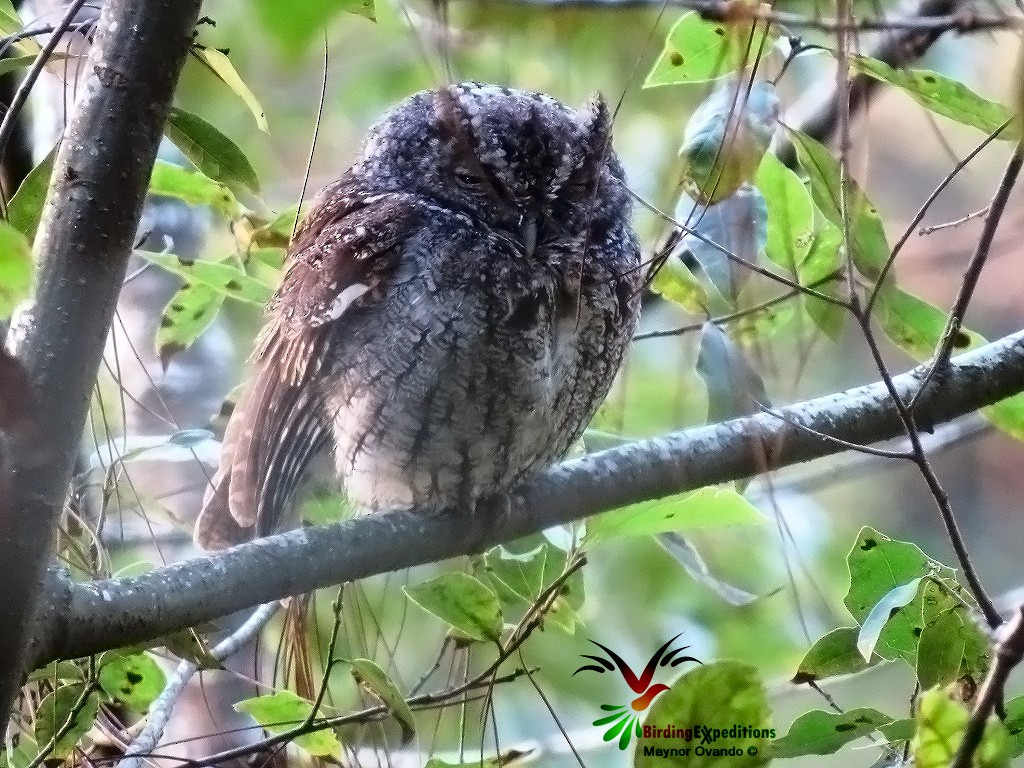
<point>596,118</point>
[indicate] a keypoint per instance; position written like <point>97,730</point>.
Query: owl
<point>452,312</point>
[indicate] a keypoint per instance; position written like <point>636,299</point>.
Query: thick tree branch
<point>89,223</point>
<point>89,617</point>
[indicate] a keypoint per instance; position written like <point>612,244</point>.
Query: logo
<point>623,722</point>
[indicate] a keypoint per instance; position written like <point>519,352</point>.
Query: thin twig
<point>1009,651</point>
<point>952,335</point>
<point>736,10</point>
<point>160,710</point>
<point>11,115</point>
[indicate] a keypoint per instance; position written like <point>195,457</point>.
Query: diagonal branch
<point>89,221</point>
<point>90,617</point>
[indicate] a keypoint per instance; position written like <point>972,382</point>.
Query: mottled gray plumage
<point>454,308</point>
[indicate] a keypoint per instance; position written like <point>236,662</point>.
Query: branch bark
<point>89,223</point>
<point>90,617</point>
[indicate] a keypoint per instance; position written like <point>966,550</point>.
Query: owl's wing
<point>345,250</point>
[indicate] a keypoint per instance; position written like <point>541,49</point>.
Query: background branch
<point>89,617</point>
<point>88,227</point>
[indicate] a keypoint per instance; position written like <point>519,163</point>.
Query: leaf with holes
<point>211,151</point>
<point>833,654</point>
<point>282,711</point>
<point>942,95</point>
<point>824,733</point>
<point>134,680</point>
<point>193,187</point>
<point>697,51</point>
<point>723,692</point>
<point>462,601</point>
<point>878,565</point>
<point>868,244</point>
<point>790,230</point>
<point>916,327</point>
<point>222,277</point>
<point>190,311</point>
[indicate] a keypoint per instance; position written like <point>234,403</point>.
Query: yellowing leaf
<point>225,71</point>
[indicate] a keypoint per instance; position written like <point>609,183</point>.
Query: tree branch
<point>89,222</point>
<point>817,114</point>
<point>89,617</point>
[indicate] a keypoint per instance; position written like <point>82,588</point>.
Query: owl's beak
<point>528,234</point>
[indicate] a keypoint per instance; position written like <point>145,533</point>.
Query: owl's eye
<point>470,178</point>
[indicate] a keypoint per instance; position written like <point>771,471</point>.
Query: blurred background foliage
<point>637,593</point>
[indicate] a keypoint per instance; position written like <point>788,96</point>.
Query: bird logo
<point>623,722</point>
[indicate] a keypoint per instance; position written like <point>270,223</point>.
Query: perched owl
<point>453,310</point>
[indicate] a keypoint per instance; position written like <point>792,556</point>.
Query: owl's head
<point>503,154</point>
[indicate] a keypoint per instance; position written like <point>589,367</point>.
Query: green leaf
<point>281,711</point>
<point>822,261</point>
<point>15,269</point>
<point>878,565</point>
<point>899,730</point>
<point>222,67</point>
<point>833,654</point>
<point>941,722</point>
<point>189,312</point>
<point>370,676</point>
<point>26,207</point>
<point>63,671</point>
<point>193,187</point>
<point>222,277</point>
<point>790,213</point>
<point>10,24</point>
<point>211,151</point>
<point>463,602</point>
<point>676,282</point>
<point>873,624</point>
<point>64,711</point>
<point>823,733</point>
<point>1015,725</point>
<point>134,680</point>
<point>296,31</point>
<point>697,51</point>
<point>916,327</point>
<point>717,695</point>
<point>942,95</point>
<point>710,507</point>
<point>868,244</point>
<point>943,638</point>
<point>517,578</point>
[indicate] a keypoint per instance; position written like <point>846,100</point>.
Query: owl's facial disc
<point>525,149</point>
